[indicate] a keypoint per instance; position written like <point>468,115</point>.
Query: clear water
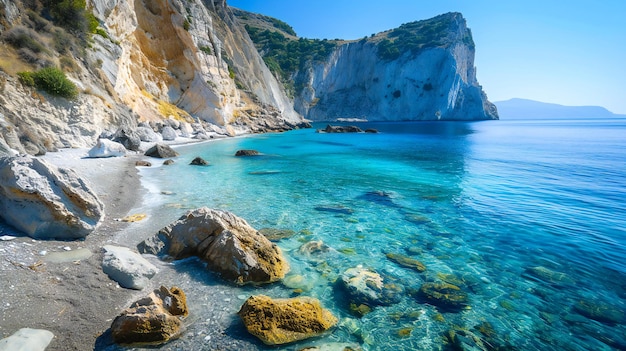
<point>482,205</point>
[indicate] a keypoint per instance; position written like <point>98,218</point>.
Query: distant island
<point>529,109</point>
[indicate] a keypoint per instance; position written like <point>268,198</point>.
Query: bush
<point>51,80</point>
<point>22,37</point>
<point>68,13</point>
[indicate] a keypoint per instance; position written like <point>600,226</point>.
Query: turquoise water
<point>528,218</point>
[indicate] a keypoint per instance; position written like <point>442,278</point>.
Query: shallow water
<point>527,217</point>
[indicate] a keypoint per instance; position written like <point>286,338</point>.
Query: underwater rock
<point>226,242</point>
<point>600,312</point>
<point>161,151</point>
<point>334,346</point>
<point>313,247</point>
<point>154,319</point>
<point>406,261</point>
<point>416,218</point>
<point>273,234</point>
<point>444,295</point>
<point>247,153</point>
<point>365,286</point>
<point>549,276</point>
<point>298,282</point>
<point>380,197</point>
<point>335,209</point>
<point>281,321</point>
<point>199,161</point>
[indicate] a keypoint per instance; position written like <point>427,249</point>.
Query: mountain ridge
<point>520,108</point>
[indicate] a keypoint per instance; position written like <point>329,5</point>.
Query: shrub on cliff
<point>51,80</point>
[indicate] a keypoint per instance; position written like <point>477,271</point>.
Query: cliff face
<point>149,60</point>
<point>421,71</point>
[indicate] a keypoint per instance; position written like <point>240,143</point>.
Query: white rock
<point>127,267</point>
<point>107,148</point>
<point>27,339</point>
<point>148,135</point>
<point>45,201</point>
<point>7,237</point>
<point>168,133</point>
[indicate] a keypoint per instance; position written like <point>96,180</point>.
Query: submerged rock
<point>273,234</point>
<point>600,312</point>
<point>47,202</point>
<point>406,261</point>
<point>366,286</point>
<point>549,276</point>
<point>228,243</point>
<point>444,295</point>
<point>282,321</point>
<point>161,151</point>
<point>127,268</point>
<point>247,153</point>
<point>335,209</point>
<point>107,148</point>
<point>155,319</point>
<point>313,247</point>
<point>334,346</point>
<point>27,339</point>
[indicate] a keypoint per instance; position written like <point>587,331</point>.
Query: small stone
<point>7,238</point>
<point>168,162</point>
<point>143,164</point>
<point>27,339</point>
<point>67,248</point>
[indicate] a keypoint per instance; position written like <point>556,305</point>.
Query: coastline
<point>73,298</point>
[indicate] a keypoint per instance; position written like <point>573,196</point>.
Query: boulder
<point>142,163</point>
<point>281,321</point>
<point>148,135</point>
<point>128,138</point>
<point>27,339</point>
<point>186,131</point>
<point>444,295</point>
<point>5,149</point>
<point>199,161</point>
<point>168,133</point>
<point>155,319</point>
<point>340,129</point>
<point>47,202</point>
<point>168,162</point>
<point>161,151</point>
<point>247,153</point>
<point>371,131</point>
<point>107,148</point>
<point>366,286</point>
<point>228,243</point>
<point>127,267</point>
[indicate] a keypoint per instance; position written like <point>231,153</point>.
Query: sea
<point>521,223</point>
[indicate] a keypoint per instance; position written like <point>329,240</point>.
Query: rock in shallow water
<point>126,267</point>
<point>161,151</point>
<point>281,321</point>
<point>444,295</point>
<point>365,286</point>
<point>27,339</point>
<point>247,153</point>
<point>47,202</point>
<point>228,243</point>
<point>155,319</point>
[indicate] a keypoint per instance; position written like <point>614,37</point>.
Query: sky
<point>565,52</point>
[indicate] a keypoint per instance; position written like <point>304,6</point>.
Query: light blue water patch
<point>528,219</point>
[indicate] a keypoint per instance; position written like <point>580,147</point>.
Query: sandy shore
<point>73,298</point>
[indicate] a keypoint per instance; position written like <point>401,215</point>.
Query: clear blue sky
<point>565,52</point>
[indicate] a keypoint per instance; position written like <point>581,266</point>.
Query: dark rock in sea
<point>366,286</point>
<point>155,319</point>
<point>340,129</point>
<point>600,312</point>
<point>371,131</point>
<point>199,161</point>
<point>143,164</point>
<point>273,234</point>
<point>282,321</point>
<point>247,153</point>
<point>444,295</point>
<point>168,162</point>
<point>335,209</point>
<point>226,242</point>
<point>380,197</point>
<point>264,172</point>
<point>128,138</point>
<point>303,125</point>
<point>406,261</point>
<point>161,151</point>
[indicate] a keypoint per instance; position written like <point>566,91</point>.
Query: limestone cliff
<point>420,71</point>
<point>138,61</point>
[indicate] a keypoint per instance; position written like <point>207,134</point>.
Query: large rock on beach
<point>127,267</point>
<point>168,133</point>
<point>27,339</point>
<point>148,135</point>
<point>228,243</point>
<point>161,151</point>
<point>107,148</point>
<point>128,138</point>
<point>366,286</point>
<point>155,319</point>
<point>282,321</point>
<point>47,202</point>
